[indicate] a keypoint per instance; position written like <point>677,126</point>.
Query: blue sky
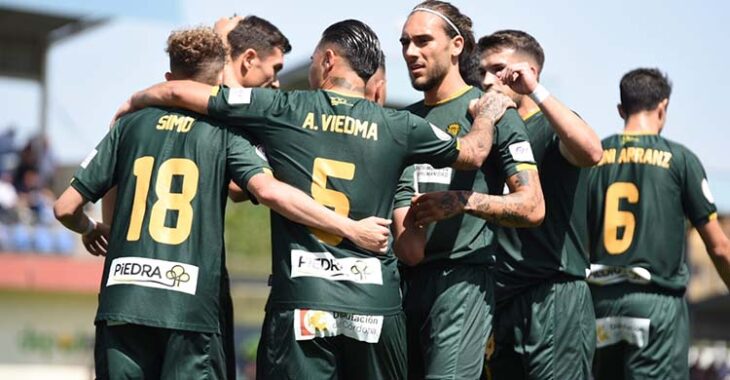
<point>588,45</point>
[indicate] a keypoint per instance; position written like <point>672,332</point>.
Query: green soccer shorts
<point>449,318</point>
<point>129,351</point>
<point>642,333</point>
<point>546,332</point>
<point>318,345</point>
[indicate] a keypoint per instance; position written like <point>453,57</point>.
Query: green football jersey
<point>638,198</point>
<point>560,244</point>
<point>165,258</point>
<point>465,238</point>
<point>347,153</point>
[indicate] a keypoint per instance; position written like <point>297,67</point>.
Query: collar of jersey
<point>531,114</point>
<point>343,94</point>
<point>455,95</point>
<point>639,133</point>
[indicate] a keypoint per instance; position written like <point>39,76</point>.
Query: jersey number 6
<point>615,218</point>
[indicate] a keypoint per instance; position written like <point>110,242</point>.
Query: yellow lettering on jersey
<point>178,123</point>
<point>373,132</point>
<point>309,122</point>
<point>343,124</point>
<point>637,155</point>
<point>339,123</point>
<point>609,157</point>
<point>327,121</point>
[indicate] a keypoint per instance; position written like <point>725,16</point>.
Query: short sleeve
<point>244,160</point>
<point>242,107</point>
<point>429,144</point>
<point>406,188</point>
<point>697,199</point>
<point>95,176</point>
<point>513,144</point>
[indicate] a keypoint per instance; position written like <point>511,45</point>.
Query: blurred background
<point>66,66</point>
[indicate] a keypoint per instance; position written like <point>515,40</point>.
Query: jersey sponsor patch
<point>607,275</point>
<point>611,330</point>
<point>310,324</point>
<point>326,266</point>
<point>88,158</point>
<point>443,136</point>
<point>239,95</point>
<point>152,273</point>
<point>425,173</point>
<point>706,191</point>
<point>521,151</point>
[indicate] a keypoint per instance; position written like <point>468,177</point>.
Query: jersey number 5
<point>616,219</point>
<point>322,169</point>
<point>166,200</point>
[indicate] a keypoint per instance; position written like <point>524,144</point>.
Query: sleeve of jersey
<point>406,188</point>
<point>513,144</point>
<point>697,199</point>
<point>241,107</point>
<point>95,175</point>
<point>429,144</point>
<point>244,160</point>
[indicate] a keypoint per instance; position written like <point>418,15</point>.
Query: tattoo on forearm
<point>512,210</point>
<point>452,202</point>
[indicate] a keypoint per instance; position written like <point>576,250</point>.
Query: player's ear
<point>457,45</point>
<point>248,58</point>
<point>168,76</point>
<point>662,109</point>
<point>621,111</point>
<point>328,60</point>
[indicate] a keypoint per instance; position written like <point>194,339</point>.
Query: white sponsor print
<point>326,266</point>
<point>521,151</point>
<point>706,191</point>
<point>611,330</point>
<point>239,95</point>
<point>88,158</point>
<point>443,136</point>
<point>425,173</point>
<point>310,324</point>
<point>261,152</point>
<point>606,275</point>
<point>152,273</point>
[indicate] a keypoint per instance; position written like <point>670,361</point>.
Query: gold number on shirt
<point>324,168</point>
<point>615,218</point>
<point>166,200</point>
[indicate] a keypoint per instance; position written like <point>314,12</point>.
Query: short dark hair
<point>464,24</point>
<point>197,54</point>
<point>520,41</point>
<point>643,89</point>
<point>258,34</point>
<point>357,43</point>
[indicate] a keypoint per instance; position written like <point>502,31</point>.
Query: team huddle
<point>482,232</point>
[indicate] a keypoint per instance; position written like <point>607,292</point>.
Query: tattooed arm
<point>522,207</point>
<point>476,145</point>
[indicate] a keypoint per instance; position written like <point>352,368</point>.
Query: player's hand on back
<point>519,77</point>
<point>491,105</point>
<point>371,233</point>
<point>97,241</point>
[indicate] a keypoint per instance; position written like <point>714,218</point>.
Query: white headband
<point>431,11</point>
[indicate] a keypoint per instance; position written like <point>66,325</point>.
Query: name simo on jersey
<point>636,155</point>
<point>178,123</point>
<point>341,124</point>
